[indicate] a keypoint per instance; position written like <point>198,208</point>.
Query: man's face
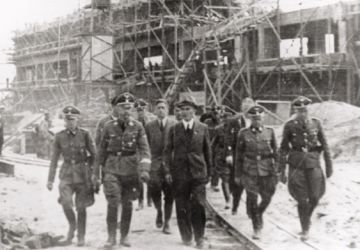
<point>301,113</point>
<point>71,123</point>
<point>140,113</point>
<point>178,113</point>
<point>161,110</point>
<point>187,112</point>
<point>124,111</point>
<point>257,120</point>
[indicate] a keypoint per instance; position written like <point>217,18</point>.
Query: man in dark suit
<point>188,165</point>
<point>157,132</point>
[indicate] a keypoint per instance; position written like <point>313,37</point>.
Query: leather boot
<point>168,212</point>
<point>111,220</point>
<point>70,216</point>
<point>81,227</point>
<point>159,219</point>
<point>126,215</point>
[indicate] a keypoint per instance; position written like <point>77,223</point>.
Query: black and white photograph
<point>180,124</point>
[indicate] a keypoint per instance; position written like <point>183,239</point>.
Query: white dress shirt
<point>189,123</point>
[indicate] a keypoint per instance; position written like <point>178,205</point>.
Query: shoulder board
<point>61,132</point>
<point>83,130</point>
<point>270,129</point>
<point>315,119</point>
<point>242,130</point>
<point>220,126</point>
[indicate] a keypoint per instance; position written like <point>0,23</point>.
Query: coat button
<point>72,161</point>
<point>258,157</point>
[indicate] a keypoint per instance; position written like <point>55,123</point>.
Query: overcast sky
<point>15,14</point>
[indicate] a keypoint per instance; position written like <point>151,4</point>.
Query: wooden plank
<point>7,168</point>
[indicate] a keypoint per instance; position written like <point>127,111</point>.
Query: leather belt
<point>305,150</point>
<point>73,162</point>
<point>124,153</point>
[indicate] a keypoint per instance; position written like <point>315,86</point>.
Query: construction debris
<point>18,235</point>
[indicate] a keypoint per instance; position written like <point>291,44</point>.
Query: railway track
<point>274,236</point>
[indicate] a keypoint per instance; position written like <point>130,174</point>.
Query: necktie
<point>188,129</point>
<point>161,126</point>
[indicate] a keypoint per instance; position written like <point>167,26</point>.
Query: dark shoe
<point>149,203</point>
<point>187,243</point>
<point>234,212</point>
<point>110,242</point>
<point>166,228</point>
<point>215,188</point>
<point>257,234</point>
<point>227,205</point>
<point>159,220</point>
<point>125,241</point>
<point>304,236</point>
<point>81,242</point>
<point>200,244</point>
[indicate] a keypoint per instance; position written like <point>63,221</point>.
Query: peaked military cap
<point>125,98</point>
<point>71,112</point>
<point>301,102</point>
<point>187,100</point>
<point>256,110</point>
<point>161,100</point>
<point>140,104</point>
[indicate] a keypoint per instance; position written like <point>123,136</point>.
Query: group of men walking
<point>176,157</point>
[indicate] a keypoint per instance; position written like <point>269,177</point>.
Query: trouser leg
<point>226,190</point>
<point>81,226</point>
<point>168,200</point>
<point>198,216</point>
<point>111,220</point>
<point>237,192</point>
<point>141,195</point>
<point>253,209</point>
<point>155,191</point>
<point>126,216</point>
<point>71,218</point>
<point>183,211</point>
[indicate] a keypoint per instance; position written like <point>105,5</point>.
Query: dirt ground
<point>335,223</point>
<point>24,199</point>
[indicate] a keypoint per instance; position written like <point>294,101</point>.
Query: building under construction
<point>220,50</point>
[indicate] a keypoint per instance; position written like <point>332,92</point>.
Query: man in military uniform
<point>302,143</point>
<point>212,121</point>
<point>256,166</point>
<point>222,168</point>
<point>2,123</point>
<point>188,164</point>
<point>102,122</point>
<point>144,117</point>
<point>232,127</point>
<point>78,151</point>
<point>157,132</point>
<point>124,157</point>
